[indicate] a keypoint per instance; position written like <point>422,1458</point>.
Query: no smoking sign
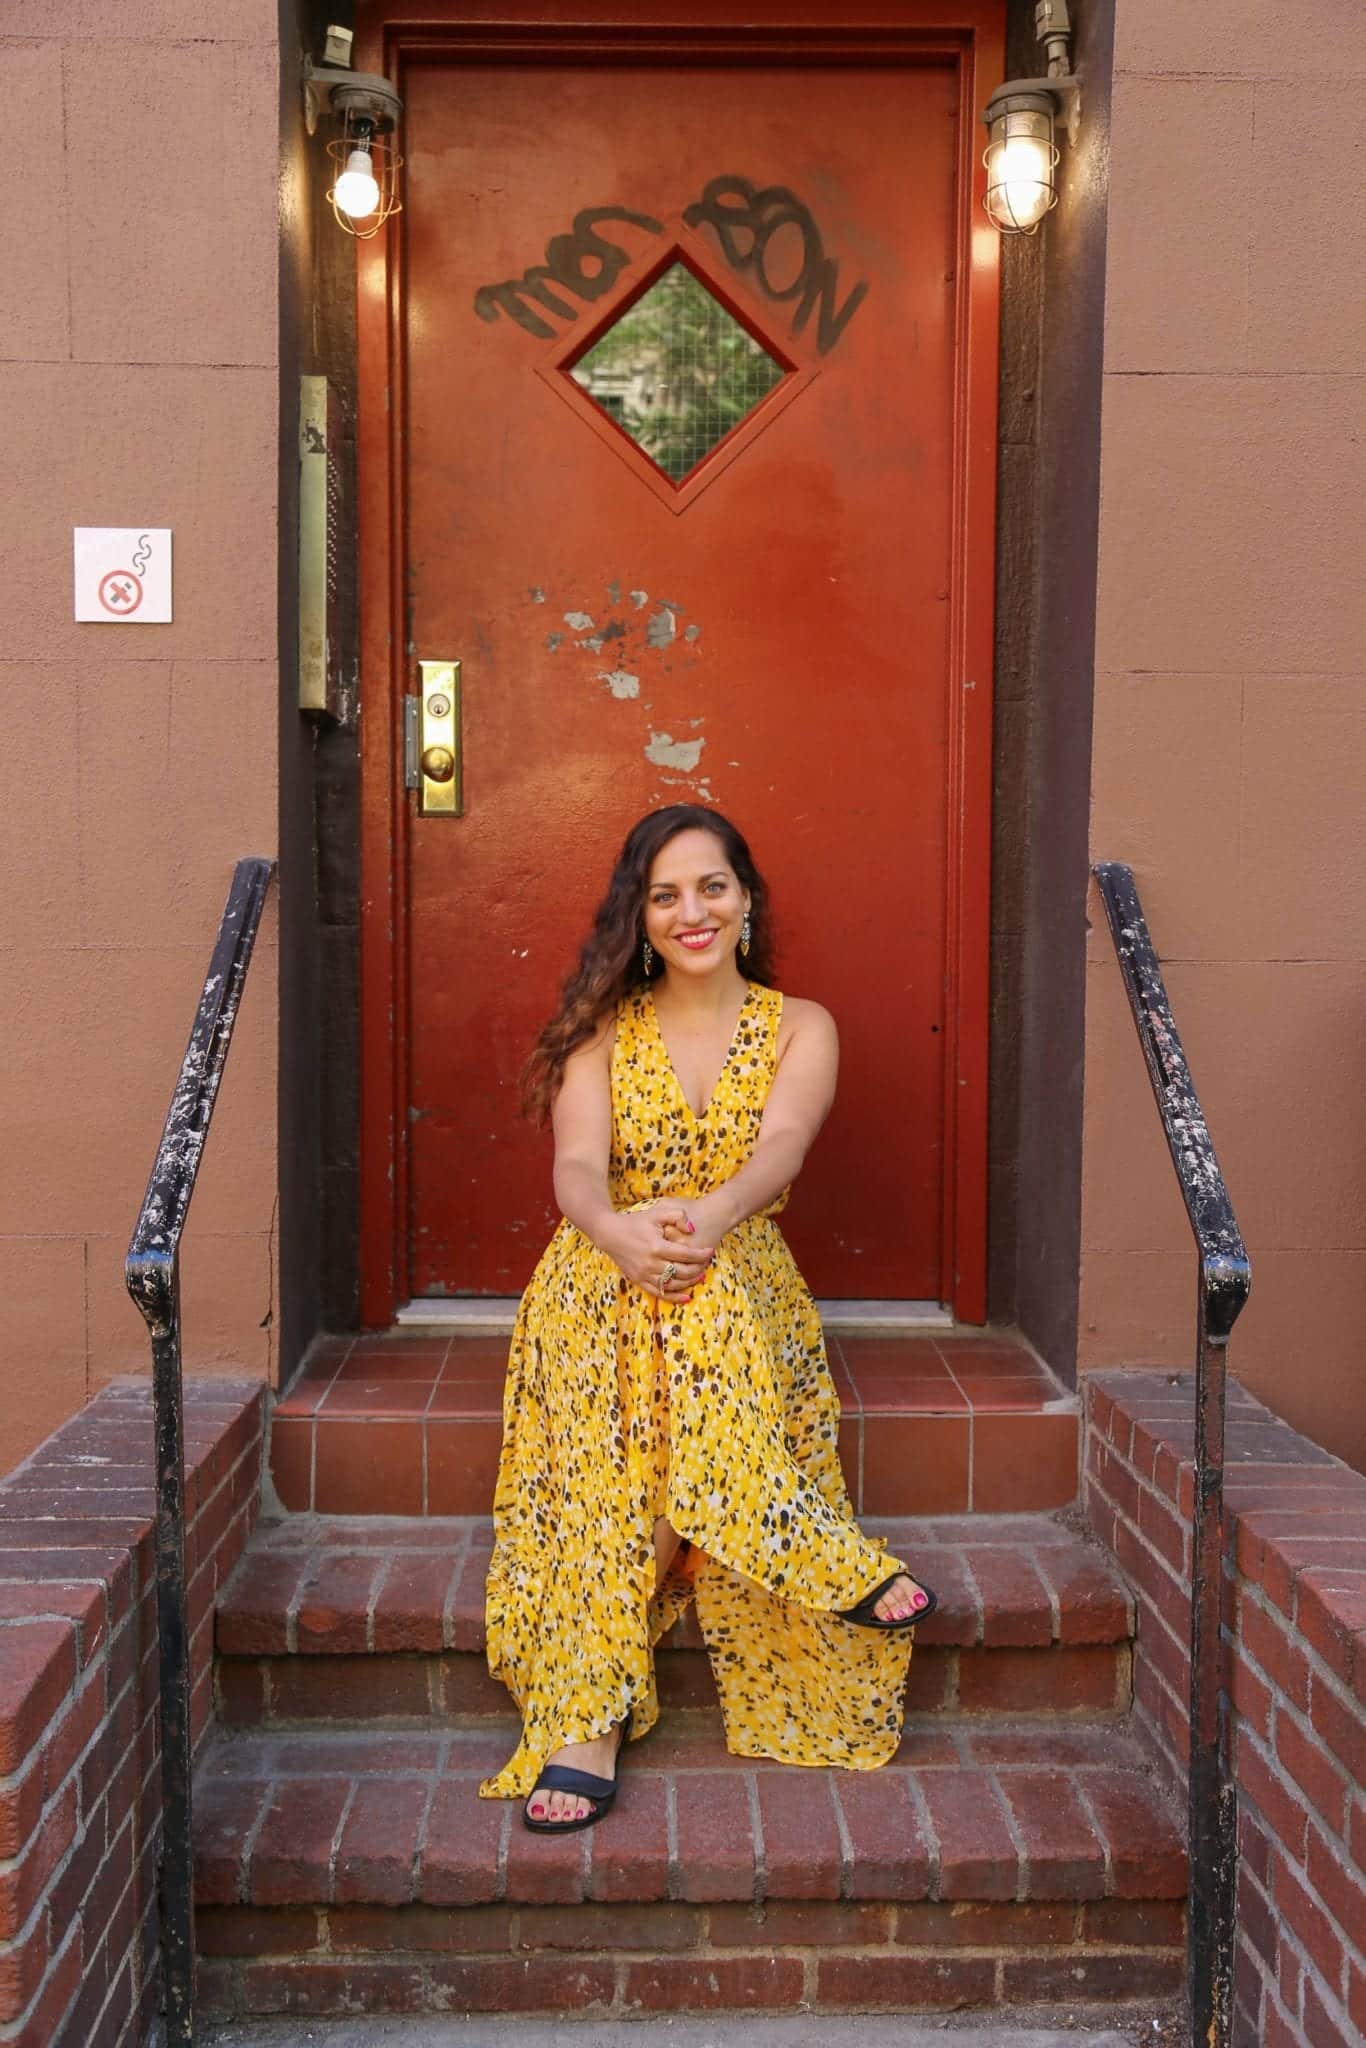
<point>123,573</point>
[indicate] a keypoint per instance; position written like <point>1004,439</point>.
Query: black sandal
<point>561,1778</point>
<point>862,1612</point>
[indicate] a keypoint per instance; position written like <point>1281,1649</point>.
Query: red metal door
<point>784,617</point>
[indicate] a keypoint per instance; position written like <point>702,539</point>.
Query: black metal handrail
<point>152,1271</point>
<point>1225,1280</point>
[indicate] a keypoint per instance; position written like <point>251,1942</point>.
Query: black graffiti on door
<point>583,262</point>
<point>745,218</point>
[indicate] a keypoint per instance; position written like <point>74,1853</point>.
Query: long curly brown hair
<point>611,961</point>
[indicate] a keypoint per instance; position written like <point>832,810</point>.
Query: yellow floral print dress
<point>721,1415</point>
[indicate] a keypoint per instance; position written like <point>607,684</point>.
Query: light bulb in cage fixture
<point>1020,160</point>
<point>367,110</point>
<point>357,192</point>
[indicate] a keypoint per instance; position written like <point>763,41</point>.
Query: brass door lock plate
<point>431,741</point>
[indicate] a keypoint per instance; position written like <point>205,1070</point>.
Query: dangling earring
<point>648,956</point>
<point>744,934</point>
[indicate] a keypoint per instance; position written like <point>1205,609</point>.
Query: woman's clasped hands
<point>658,1250</point>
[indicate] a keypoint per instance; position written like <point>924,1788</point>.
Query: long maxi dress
<point>721,1415</point>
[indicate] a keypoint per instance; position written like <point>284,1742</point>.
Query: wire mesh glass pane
<point>677,372</point>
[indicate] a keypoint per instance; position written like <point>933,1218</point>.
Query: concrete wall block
<point>106,445</point>
<point>1239,39</point>
<point>1182,170</point>
<point>34,309</point>
<point>1229,525</point>
<point>96,1037</point>
<point>1301,852</point>
<point>42,1287</point>
<point>171,170</point>
<point>1165,799</point>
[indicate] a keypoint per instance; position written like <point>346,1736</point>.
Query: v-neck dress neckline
<point>700,1115</point>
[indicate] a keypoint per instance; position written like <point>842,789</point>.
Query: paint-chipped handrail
<point>1225,1280</point>
<point>152,1273</point>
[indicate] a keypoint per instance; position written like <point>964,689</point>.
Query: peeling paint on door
<point>667,752</point>
<point>620,681</point>
<point>662,627</point>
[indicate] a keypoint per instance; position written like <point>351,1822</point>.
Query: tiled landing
<point>936,1424</point>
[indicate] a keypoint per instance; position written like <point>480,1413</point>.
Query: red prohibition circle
<point>121,576</point>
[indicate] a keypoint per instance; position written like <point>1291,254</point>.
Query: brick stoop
<point>370,1619</point>
<point>987,1866</point>
<point>1016,1852</point>
<point>949,1424</point>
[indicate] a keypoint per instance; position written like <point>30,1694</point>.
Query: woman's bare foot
<point>902,1600</point>
<point>598,1757</point>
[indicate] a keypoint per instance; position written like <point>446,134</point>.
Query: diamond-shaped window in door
<point>677,372</point>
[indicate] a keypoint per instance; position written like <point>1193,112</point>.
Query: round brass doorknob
<point>438,764</point>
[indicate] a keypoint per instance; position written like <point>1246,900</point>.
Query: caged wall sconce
<point>1021,155</point>
<point>364,191</point>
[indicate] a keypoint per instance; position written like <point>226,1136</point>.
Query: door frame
<point>796,32</point>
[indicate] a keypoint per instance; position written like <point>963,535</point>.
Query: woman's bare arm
<point>798,1103</point>
<point>582,1123</point>
<point>635,1241</point>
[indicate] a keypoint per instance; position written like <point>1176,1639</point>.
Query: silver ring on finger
<point>669,1275</point>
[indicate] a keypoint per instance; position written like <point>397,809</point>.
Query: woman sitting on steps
<point>670,1420</point>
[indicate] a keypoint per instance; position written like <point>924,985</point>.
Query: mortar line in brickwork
<point>1102,1834</point>
<point>420,1834</point>
<point>810,1960</point>
<point>972,1459</point>
<point>1025,1878</point>
<point>16,2029</point>
<point>313,1463</point>
<point>386,1565</point>
<point>448,1599</point>
<point>248,1848</point>
<point>979,1600</point>
<point>756,1822</point>
<point>915,1792</point>
<point>673,1882</point>
<point>334,1850</point>
<point>846,1841</point>
<point>422,1440</point>
<point>500,1889</point>
<point>1037,1556</point>
<point>1322,1675</point>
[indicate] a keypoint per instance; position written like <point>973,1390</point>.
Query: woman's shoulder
<point>800,1014</point>
<point>596,1047</point>
<point>801,1009</point>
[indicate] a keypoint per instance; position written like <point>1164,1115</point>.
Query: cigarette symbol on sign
<point>121,592</point>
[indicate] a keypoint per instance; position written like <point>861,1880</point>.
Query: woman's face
<point>694,905</point>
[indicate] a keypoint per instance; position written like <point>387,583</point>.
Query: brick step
<point>328,1620</point>
<point>345,1872</point>
<point>932,1425</point>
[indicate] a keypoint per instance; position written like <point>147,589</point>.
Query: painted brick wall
<point>1295,1624</point>
<point>1229,745</point>
<point>138,382</point>
<point>79,1756</point>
